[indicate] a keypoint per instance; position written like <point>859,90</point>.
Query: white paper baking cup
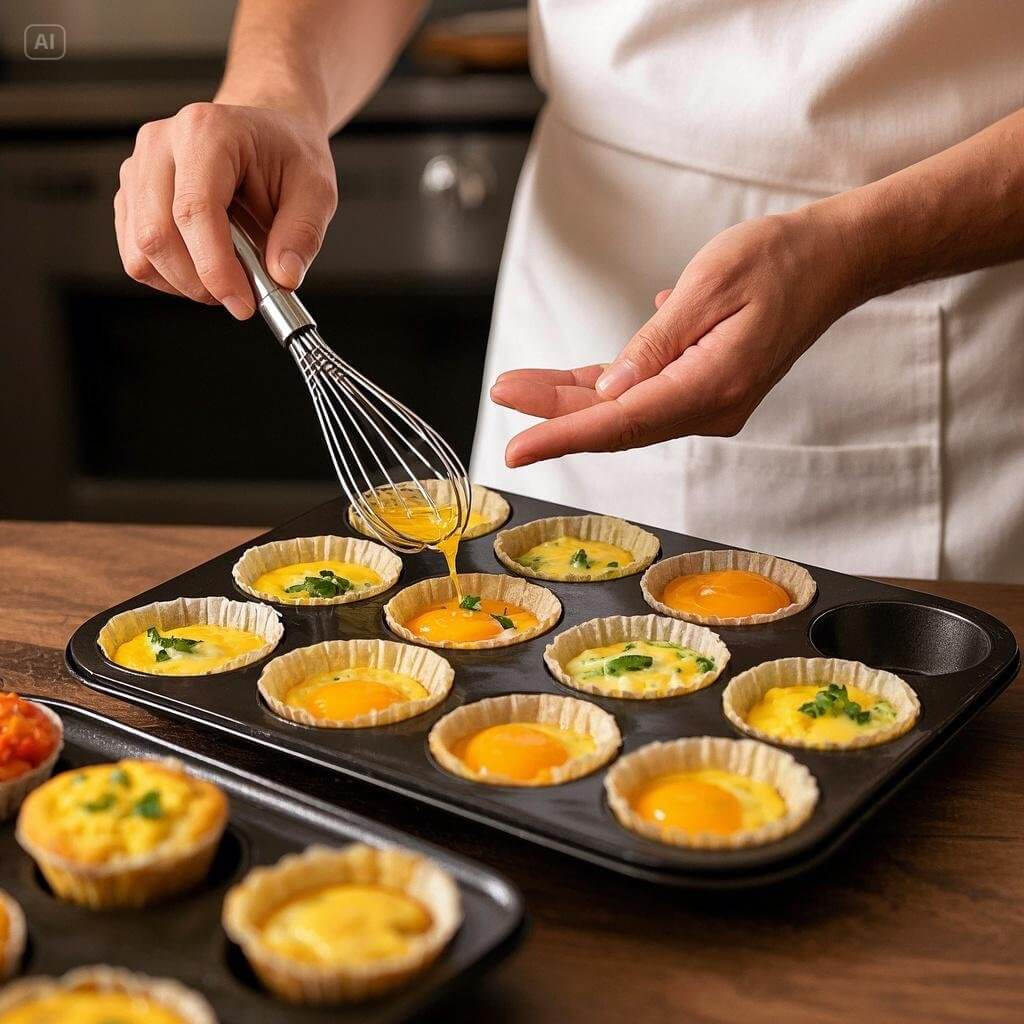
<point>267,557</point>
<point>793,578</point>
<point>264,889</point>
<point>190,1006</point>
<point>13,949</point>
<point>618,628</point>
<point>546,708</point>
<point>14,791</point>
<point>487,503</point>
<point>429,669</point>
<point>793,782</point>
<point>167,616</point>
<point>408,603</point>
<point>644,546</point>
<point>746,689</point>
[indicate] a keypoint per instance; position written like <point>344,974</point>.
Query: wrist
<point>303,101</point>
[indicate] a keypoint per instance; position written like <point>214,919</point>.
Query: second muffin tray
<point>956,658</point>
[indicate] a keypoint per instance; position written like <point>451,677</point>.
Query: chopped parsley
<point>326,583</point>
<point>169,643</point>
<point>835,701</point>
<point>471,603</point>
<point>579,560</point>
<point>705,664</point>
<point>101,803</point>
<point>628,663</point>
<point>503,620</point>
<point>149,806</point>
<point>613,565</point>
<point>120,777</point>
<point>162,655</point>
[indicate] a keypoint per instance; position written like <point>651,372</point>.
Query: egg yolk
<point>91,1008</point>
<point>277,581</point>
<point>343,694</point>
<point>449,621</point>
<point>346,924</point>
<point>727,594</point>
<point>214,646</point>
<point>779,714</point>
<point>708,801</point>
<point>520,750</point>
<point>571,556</point>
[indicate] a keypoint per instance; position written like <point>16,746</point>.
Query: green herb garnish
<point>470,603</point>
<point>165,643</point>
<point>162,655</point>
<point>503,620</point>
<point>613,565</point>
<point>101,803</point>
<point>705,664</point>
<point>628,663</point>
<point>326,583</point>
<point>579,560</point>
<point>149,806</point>
<point>120,777</point>
<point>835,701</point>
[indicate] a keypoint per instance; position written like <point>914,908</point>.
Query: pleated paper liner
<point>746,689</point>
<point>408,603</point>
<point>170,995</point>
<point>793,578</point>
<point>124,881</point>
<point>167,616</point>
<point>793,782</point>
<point>13,791</point>
<point>546,708</point>
<point>248,905</point>
<point>510,544</point>
<point>13,947</point>
<point>287,671</point>
<point>487,503</point>
<point>266,557</point>
<point>618,628</point>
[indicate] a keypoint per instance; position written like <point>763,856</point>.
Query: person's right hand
<point>170,213</point>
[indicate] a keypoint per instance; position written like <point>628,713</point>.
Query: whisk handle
<point>281,308</point>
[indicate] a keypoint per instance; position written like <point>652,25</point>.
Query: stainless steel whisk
<point>355,414</point>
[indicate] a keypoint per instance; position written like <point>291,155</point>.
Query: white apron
<point>895,446</point>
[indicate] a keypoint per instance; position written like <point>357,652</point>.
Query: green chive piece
<point>101,803</point>
<point>504,621</point>
<point>120,777</point>
<point>579,560</point>
<point>149,806</point>
<point>471,603</point>
<point>628,663</point>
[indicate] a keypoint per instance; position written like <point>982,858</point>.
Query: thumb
<point>308,201</point>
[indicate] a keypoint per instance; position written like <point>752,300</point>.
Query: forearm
<point>957,211</point>
<point>319,59</point>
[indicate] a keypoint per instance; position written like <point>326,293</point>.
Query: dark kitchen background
<point>119,403</point>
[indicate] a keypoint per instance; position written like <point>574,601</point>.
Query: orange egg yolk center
<point>448,621</point>
<point>690,805</point>
<point>516,751</point>
<point>344,700</point>
<point>728,594</point>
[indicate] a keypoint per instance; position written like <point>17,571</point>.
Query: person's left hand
<point>742,312</point>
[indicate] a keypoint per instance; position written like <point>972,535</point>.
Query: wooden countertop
<point>919,918</point>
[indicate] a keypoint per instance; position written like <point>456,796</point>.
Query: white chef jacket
<point>895,445</point>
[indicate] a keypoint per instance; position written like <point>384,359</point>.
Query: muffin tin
<point>183,939</point>
<point>957,658</point>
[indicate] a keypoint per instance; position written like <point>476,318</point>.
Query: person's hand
<point>742,312</point>
<point>170,211</point>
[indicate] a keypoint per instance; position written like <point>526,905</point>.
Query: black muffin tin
<point>957,659</point>
<point>183,939</point>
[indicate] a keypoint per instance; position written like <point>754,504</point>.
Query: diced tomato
<point>27,737</point>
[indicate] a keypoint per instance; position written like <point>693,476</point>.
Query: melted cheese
<point>104,812</point>
<point>217,645</point>
<point>778,714</point>
<point>343,694</point>
<point>709,800</point>
<point>5,930</point>
<point>345,924</point>
<point>91,1008</point>
<point>277,581</point>
<point>726,594</point>
<point>448,621</point>
<point>639,666</point>
<point>555,557</point>
<point>525,751</point>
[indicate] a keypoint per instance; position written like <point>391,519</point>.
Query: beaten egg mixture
<point>90,1008</point>
<point>820,712</point>
<point>185,650</point>
<point>709,800</point>
<point>5,929</point>
<point>469,619</point>
<point>725,594</point>
<point>525,751</point>
<point>639,666</point>
<point>571,556</point>
<point>325,578</point>
<point>345,924</point>
<point>104,812</point>
<point>343,694</point>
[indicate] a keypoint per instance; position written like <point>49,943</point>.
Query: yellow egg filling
<point>820,712</point>
<point>571,556</point>
<point>185,650</point>
<point>708,801</point>
<point>91,1008</point>
<point>481,619</point>
<point>525,751</point>
<point>325,578</point>
<point>5,928</point>
<point>345,924</point>
<point>725,594</point>
<point>347,693</point>
<point>103,812</point>
<point>639,666</point>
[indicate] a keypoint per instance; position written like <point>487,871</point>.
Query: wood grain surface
<point>919,918</point>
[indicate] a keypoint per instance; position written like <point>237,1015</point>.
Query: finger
<point>307,204</point>
<point>135,264</point>
<point>536,398</point>
<point>596,428</point>
<point>659,299</point>
<point>582,376</point>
